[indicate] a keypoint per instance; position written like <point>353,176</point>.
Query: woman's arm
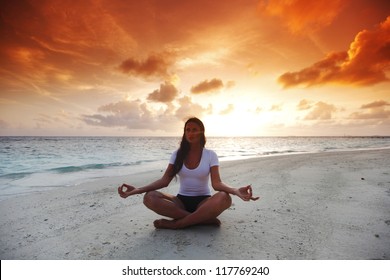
<point>128,190</point>
<point>245,193</point>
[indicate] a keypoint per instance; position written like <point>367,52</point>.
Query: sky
<point>244,67</point>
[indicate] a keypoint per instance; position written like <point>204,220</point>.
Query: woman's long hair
<point>185,145</point>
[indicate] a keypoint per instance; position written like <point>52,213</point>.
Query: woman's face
<point>193,133</point>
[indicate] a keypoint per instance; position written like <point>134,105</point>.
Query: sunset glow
<point>247,68</point>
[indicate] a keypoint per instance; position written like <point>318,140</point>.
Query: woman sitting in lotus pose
<point>194,204</point>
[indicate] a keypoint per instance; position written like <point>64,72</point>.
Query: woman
<point>194,203</point>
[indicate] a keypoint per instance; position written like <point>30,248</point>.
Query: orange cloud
<point>28,57</point>
<point>374,110</point>
<point>165,94</point>
<point>365,63</point>
<point>78,28</point>
<point>321,111</point>
<point>156,65</point>
<point>301,15</point>
<point>207,86</point>
<point>375,104</point>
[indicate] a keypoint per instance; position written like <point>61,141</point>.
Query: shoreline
<point>327,205</point>
<point>37,189</point>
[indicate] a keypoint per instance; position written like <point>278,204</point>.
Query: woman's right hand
<point>246,193</point>
<point>127,190</point>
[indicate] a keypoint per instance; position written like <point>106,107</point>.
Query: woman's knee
<point>150,198</point>
<point>225,199</point>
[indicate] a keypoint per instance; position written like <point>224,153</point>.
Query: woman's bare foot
<point>164,223</point>
<point>172,224</point>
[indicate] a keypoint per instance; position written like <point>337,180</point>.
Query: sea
<point>30,164</point>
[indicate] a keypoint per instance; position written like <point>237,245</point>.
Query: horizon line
<point>207,136</point>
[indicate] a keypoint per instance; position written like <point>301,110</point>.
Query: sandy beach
<point>333,205</point>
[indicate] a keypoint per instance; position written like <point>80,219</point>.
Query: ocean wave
<point>96,166</point>
<point>62,161</point>
<point>15,176</point>
<point>281,152</point>
<point>80,168</point>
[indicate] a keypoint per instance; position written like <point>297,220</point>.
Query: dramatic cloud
<point>131,114</point>
<point>321,111</point>
<point>167,93</point>
<point>207,86</point>
<point>78,55</point>
<point>156,65</point>
<point>365,63</point>
<point>374,110</point>
<point>303,16</point>
<point>136,114</point>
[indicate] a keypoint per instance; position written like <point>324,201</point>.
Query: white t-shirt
<point>194,182</point>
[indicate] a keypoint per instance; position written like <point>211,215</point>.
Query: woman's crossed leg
<point>170,206</point>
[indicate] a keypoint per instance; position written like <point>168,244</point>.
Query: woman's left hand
<point>127,190</point>
<point>246,194</point>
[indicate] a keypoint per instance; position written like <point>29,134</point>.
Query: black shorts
<point>191,202</point>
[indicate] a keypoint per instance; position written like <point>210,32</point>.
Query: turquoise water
<point>35,163</point>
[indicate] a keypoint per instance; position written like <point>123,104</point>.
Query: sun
<point>234,124</point>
